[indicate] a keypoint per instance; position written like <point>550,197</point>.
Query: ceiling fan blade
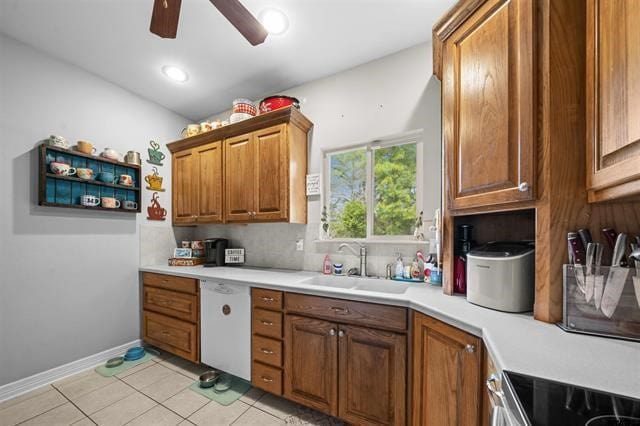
<point>164,20</point>
<point>242,19</point>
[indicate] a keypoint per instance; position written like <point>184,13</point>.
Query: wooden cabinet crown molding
<point>285,115</point>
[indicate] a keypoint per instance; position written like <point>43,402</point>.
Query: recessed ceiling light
<point>175,73</point>
<point>274,21</point>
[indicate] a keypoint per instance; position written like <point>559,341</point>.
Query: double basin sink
<point>358,284</point>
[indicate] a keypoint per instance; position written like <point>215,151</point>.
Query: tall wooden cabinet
<point>446,374</point>
<point>613,99</point>
<point>488,107</point>
<point>251,171</point>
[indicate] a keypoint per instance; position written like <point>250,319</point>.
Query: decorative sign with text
<point>313,184</point>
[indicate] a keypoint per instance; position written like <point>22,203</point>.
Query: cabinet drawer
<point>267,323</point>
<point>346,311</point>
<point>170,282</point>
<point>268,351</point>
<point>267,299</point>
<point>172,335</point>
<point>179,305</point>
<point>266,378</point>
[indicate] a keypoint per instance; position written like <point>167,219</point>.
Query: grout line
<point>26,399</point>
<point>45,412</point>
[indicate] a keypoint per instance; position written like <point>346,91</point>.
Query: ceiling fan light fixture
<point>175,74</point>
<point>274,21</point>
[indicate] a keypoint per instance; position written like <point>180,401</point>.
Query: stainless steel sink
<point>380,286</point>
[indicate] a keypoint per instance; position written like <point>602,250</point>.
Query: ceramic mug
<point>154,181</point>
<point>58,141</point>
<point>125,180</point>
<point>62,169</point>
<point>129,205</point>
<point>205,126</point>
<point>186,244</point>
<point>111,154</point>
<point>83,173</point>
<point>197,245</point>
<point>106,177</point>
<point>133,157</point>
<point>89,200</point>
<point>190,130</point>
<point>86,147</point>
<point>110,202</point>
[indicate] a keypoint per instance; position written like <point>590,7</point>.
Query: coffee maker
<point>215,248</point>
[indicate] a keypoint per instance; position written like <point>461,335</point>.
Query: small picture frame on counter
<point>182,252</point>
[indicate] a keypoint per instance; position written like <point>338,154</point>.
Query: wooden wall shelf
<point>65,191</point>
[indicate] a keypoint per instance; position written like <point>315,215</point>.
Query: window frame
<point>411,137</point>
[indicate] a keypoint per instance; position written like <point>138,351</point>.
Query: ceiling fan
<point>164,20</point>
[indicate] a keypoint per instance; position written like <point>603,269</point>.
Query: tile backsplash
<point>273,245</point>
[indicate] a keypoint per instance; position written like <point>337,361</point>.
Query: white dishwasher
<point>225,327</point>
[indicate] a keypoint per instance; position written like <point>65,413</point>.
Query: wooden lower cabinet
<point>446,374</point>
<point>311,363</point>
<point>372,376</point>
<point>172,335</point>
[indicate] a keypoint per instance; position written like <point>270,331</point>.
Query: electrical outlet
<point>300,244</point>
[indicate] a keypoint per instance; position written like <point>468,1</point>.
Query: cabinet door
<point>613,98</point>
<point>272,191</point>
<point>183,188</point>
<point>208,180</point>
<point>488,107</point>
<point>239,178</point>
<point>372,376</point>
<point>446,374</point>
<point>311,363</point>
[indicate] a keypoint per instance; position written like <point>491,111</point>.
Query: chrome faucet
<point>362,253</point>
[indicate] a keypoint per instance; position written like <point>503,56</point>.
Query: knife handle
<point>610,235</point>
<point>585,236</point>
<point>577,249</point>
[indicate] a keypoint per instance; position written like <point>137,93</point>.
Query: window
<point>373,189</point>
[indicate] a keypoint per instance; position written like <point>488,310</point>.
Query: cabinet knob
<point>523,187</point>
<point>470,349</point>
<point>340,333</point>
<point>332,332</point>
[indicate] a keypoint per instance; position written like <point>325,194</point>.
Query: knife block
<point>582,317</point>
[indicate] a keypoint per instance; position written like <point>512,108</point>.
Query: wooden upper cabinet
<point>311,363</point>
<point>488,107</point>
<point>613,99</point>
<point>270,195</point>
<point>183,188</point>
<point>446,374</point>
<point>372,374</point>
<point>239,160</point>
<point>208,180</point>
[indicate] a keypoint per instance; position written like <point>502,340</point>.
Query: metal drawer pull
<point>336,309</point>
<point>340,333</point>
<point>266,322</point>
<point>266,351</point>
<point>332,332</point>
<point>469,349</point>
<point>266,379</point>
<point>268,299</point>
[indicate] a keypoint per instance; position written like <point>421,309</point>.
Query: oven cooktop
<point>548,403</point>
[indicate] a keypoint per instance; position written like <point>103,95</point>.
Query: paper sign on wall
<point>313,184</point>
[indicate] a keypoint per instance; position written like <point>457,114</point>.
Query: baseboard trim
<point>19,387</point>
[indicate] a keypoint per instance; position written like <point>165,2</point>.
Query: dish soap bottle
<point>399,267</point>
<point>326,265</point>
<point>415,269</point>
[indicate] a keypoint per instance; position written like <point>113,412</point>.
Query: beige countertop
<point>516,342</point>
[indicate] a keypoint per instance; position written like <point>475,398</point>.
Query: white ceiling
<point>111,38</point>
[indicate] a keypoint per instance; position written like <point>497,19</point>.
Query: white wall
<point>69,279</point>
<point>388,96</point>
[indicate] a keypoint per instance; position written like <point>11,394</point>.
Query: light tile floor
<point>154,393</point>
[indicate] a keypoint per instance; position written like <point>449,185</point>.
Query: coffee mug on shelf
<point>89,200</point>
<point>106,177</point>
<point>205,126</point>
<point>58,141</point>
<point>83,173</point>
<point>62,169</point>
<point>125,180</point>
<point>133,157</point>
<point>186,244</point>
<point>190,130</point>
<point>86,147</point>
<point>129,205</point>
<point>110,202</point>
